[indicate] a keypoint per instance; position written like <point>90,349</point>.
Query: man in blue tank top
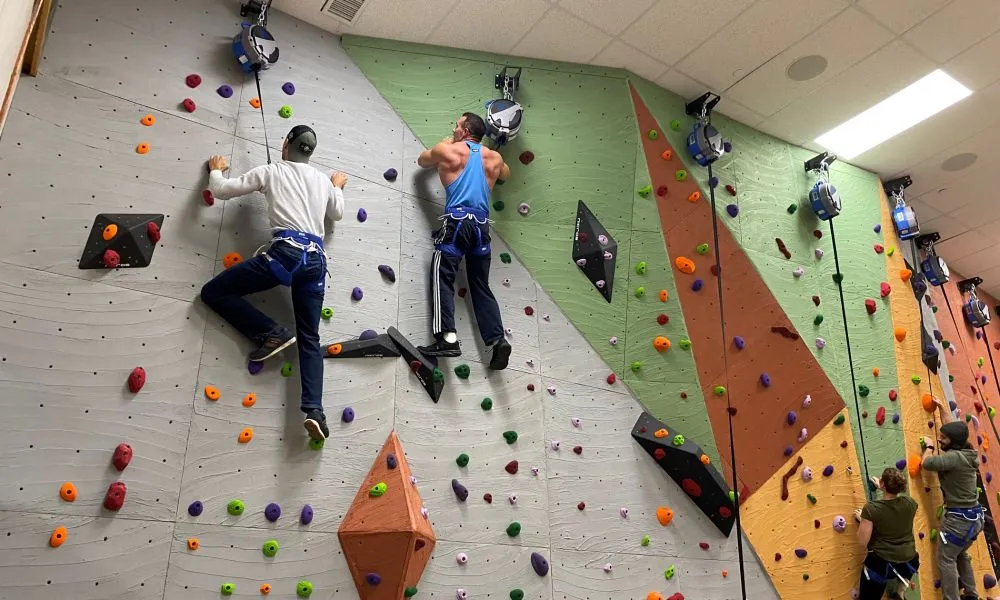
<point>468,170</point>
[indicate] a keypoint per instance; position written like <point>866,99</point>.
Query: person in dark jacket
<point>886,530</point>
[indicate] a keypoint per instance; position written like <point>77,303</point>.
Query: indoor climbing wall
<point>222,494</point>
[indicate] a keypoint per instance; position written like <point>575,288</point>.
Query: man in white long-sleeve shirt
<point>299,200</point>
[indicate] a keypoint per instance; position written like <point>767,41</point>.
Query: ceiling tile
<point>561,36</point>
<point>955,28</point>
<point>406,20</point>
<point>611,17</point>
<point>843,41</point>
<point>900,15</point>
<point>980,211</point>
<point>514,21</point>
<point>870,81</point>
<point>309,11</point>
<point>945,199</point>
<point>925,212</point>
<point>618,54</point>
<point>978,66</point>
<point>682,85</point>
<point>929,175</point>
<point>736,111</point>
<point>764,30</point>
<point>964,244</point>
<point>673,28</point>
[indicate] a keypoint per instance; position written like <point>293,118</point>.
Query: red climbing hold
<point>818,234</point>
<point>870,306</point>
<point>193,80</point>
<point>531,387</point>
<point>111,258</point>
<point>188,105</point>
<point>691,487</point>
<point>661,191</point>
<point>642,429</point>
<point>684,395</point>
<point>659,454</point>
<point>612,378</point>
<point>529,311</point>
<point>843,444</point>
<point>978,406</point>
<point>703,545</point>
<point>136,379</point>
<point>724,512</point>
<point>578,449</point>
<point>730,189</point>
<point>816,523</point>
<point>785,332</point>
<point>153,232</point>
<point>582,237</point>
<point>782,248</point>
<point>461,292</point>
<point>731,410</point>
<point>581,506</point>
<point>488,498</point>
<point>511,467</point>
<point>207,196</point>
<point>892,395</point>
<point>879,249</point>
<point>777,556</point>
<point>714,270</point>
<point>816,300</point>
<point>415,365</point>
<point>115,497</point>
<point>676,596</point>
<point>122,456</point>
<point>880,416</point>
<point>662,319</point>
<point>419,544</point>
<point>884,289</point>
<point>526,157</point>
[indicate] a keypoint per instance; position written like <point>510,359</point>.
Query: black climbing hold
<point>589,252</point>
<point>380,346</point>
<point>425,370</point>
<point>131,242</point>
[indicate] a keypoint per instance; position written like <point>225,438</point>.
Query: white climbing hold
<point>523,208</point>
<point>600,284</point>
<point>581,262</point>
<point>531,362</point>
<point>803,434</point>
<point>534,471</point>
<point>576,422</point>
<point>799,272</point>
<point>603,239</point>
<point>506,282</point>
<point>512,498</point>
<point>461,558</point>
<point>508,331</point>
<point>554,444</point>
<point>613,340</point>
<point>608,255</point>
<point>808,400</point>
<point>461,594</point>
<point>413,480</point>
<point>552,390</point>
<point>607,567</point>
<point>819,253</point>
<point>546,317</point>
<point>423,512</point>
<point>623,511</point>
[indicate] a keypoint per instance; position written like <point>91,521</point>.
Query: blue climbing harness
<point>973,516</point>
<point>306,242</point>
<point>454,219</point>
<point>904,574</point>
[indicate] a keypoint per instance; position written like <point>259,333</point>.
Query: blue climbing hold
<point>347,415</point>
<point>357,294</point>
<point>697,285</point>
<point>713,182</point>
<point>733,210</point>
<point>539,564</point>
<point>362,215</point>
<point>901,464</point>
<point>765,380</point>
<point>390,174</point>
<point>739,343</point>
<point>460,490</point>
<point>195,508</point>
<point>788,451</point>
<point>255,366</point>
<point>272,511</point>
<point>390,461</point>
<point>307,515</point>
<point>288,87</point>
<point>368,334</point>
<point>225,91</point>
<point>877,228</point>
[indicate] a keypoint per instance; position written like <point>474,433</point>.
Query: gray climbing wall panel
<point>69,338</point>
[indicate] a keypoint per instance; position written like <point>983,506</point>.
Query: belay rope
<point>261,21</point>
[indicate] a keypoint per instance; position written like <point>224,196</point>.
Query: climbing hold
<point>879,249</point>
<point>193,544</point>
<point>765,380</point>
<point>225,91</point>
<point>694,196</point>
<point>380,488</point>
<point>719,390</point>
<point>732,209</point>
<point>517,594</point>
<point>640,267</point>
<point>59,535</point>
<point>811,499</point>
<point>111,259</point>
<point>578,449</point>
<point>678,440</point>
<point>820,343</point>
<point>526,157</point>
<point>899,333</point>
<point>227,589</point>
<point>798,272</point>
<point>286,111</point>
<point>462,460</point>
<point>803,434</point>
<point>195,508</point>
<point>231,259</point>
<point>801,552</point>
<point>357,294</point>
<point>409,592</point>
<point>461,492</point>
<point>645,191</point>
<point>892,395</point>
<point>870,306</point>
<point>905,274</point>
<point>696,285</point>
<point>681,175</point>
<point>136,379</point>
<point>115,497</point>
<point>270,548</point>
<point>461,594</point>
<point>640,291</point>
<point>235,507</point>
<point>245,436</point>
<point>122,456</point>
<point>488,498</point>
<point>67,492</point>
<point>636,366</point>
<point>109,232</point>
<point>304,588</point>
<point>316,444</point>
<point>791,417</point>
<point>653,134</point>
<point>645,541</point>
<point>713,182</point>
<point>662,319</point>
<point>391,462</point>
<point>511,467</point>
<point>486,404</point>
<point>514,529</point>
<point>661,191</point>
<point>670,572</point>
<point>664,515</point>
<point>462,558</point>
<point>272,512</point>
<point>675,125</point>
<point>818,252</point>
<point>807,474</point>
<point>782,248</point>
<point>612,378</point>
<point>884,289</point>
<point>915,379</point>
<point>189,105</point>
<point>880,416</point>
<point>875,371</point>
<point>193,80</point>
<point>863,390</point>
<point>462,371</point>
<point>703,545</point>
<point>212,392</point>
<point>807,401</point>
<point>838,278</point>
<point>827,470</point>
<point>701,248</point>
<point>661,343</point>
<point>792,208</point>
<point>989,581</point>
<point>661,433</point>
<point>255,102</point>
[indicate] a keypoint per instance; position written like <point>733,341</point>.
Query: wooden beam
<point>15,72</point>
<point>36,41</point>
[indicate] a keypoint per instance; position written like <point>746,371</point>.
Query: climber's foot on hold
<point>441,347</point>
<point>275,341</point>
<point>315,424</point>
<point>501,355</point>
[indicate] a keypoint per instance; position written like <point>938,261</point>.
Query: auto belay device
<point>903,216</point>
<point>705,143</point>
<point>933,267</point>
<point>254,47</point>
<point>824,199</point>
<point>503,115</point>
<point>975,310</point>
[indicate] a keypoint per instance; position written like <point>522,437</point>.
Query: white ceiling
<point>741,50</point>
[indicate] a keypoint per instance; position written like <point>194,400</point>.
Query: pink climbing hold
<point>136,379</point>
<point>870,306</point>
<point>122,456</point>
<point>111,258</point>
<point>884,289</point>
<point>153,232</point>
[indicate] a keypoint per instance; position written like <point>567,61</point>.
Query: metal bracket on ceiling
<point>508,84</point>
<point>927,240</point>
<point>820,162</point>
<point>970,284</point>
<point>702,106</point>
<point>896,186</point>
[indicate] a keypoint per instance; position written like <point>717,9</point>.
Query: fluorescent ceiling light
<point>894,115</point>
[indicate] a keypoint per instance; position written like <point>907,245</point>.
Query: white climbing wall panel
<point>69,338</point>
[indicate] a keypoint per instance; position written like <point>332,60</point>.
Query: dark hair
<point>893,481</point>
<point>474,125</point>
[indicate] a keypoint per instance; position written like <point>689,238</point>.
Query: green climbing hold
<point>462,460</point>
<point>979,361</point>
<point>685,343</point>
<point>840,419</point>
<point>227,589</point>
<point>945,344</point>
<point>890,250</point>
<point>675,125</point>
<point>378,489</point>
<point>505,259</point>
<point>517,594</point>
<point>915,379</point>
<point>940,512</point>
<point>719,390</point>
<point>410,592</point>
<point>285,112</point>
<point>653,134</point>
<point>514,529</point>
<point>640,291</point>
<point>235,507</point>
<point>817,319</point>
<point>992,412</point>
<point>933,535</point>
<point>838,277</point>
<point>270,548</point>
<point>316,444</point>
<point>498,205</point>
<point>681,175</point>
<point>678,440</point>
<point>463,371</point>
<point>670,572</point>
<point>792,208</point>
<point>286,369</point>
<point>701,248</point>
<point>968,417</point>
<point>811,498</point>
<point>934,309</point>
<point>437,375</point>
<point>640,267</point>
<point>486,404</point>
<point>635,366</point>
<point>326,313</point>
<point>951,378</point>
<point>645,191</point>
<point>732,496</point>
<point>863,390</point>
<point>510,436</point>
<point>645,538</point>
<point>923,445</point>
<point>304,589</point>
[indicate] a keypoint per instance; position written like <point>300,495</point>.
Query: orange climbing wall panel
<point>387,535</point>
<point>760,430</point>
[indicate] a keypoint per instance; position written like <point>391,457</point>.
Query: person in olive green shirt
<point>886,529</point>
<point>964,518</point>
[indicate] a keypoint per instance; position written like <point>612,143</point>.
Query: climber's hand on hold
<point>857,515</point>
<point>877,482</point>
<point>217,163</point>
<point>338,180</point>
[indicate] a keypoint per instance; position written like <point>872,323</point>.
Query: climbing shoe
<point>501,355</point>
<point>273,343</point>
<point>315,424</point>
<point>442,348</point>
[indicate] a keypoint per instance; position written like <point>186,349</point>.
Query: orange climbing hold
<point>725,573</point>
<point>664,515</point>
<point>905,274</point>
<point>705,460</point>
<point>250,399</point>
<point>661,343</point>
<point>334,349</point>
<point>927,402</point>
<point>255,102</point>
<point>67,492</point>
<point>913,464</point>
<point>148,120</point>
<point>684,264</point>
<point>58,537</point>
<point>212,392</point>
<point>265,588</point>
<point>667,154</point>
<point>875,371</point>
<point>900,334</point>
<point>142,148</point>
<point>695,196</point>
<point>654,596</point>
<point>246,435</point>
<point>661,433</point>
<point>109,232</point>
<point>193,544</point>
<point>233,258</point>
<point>664,296</point>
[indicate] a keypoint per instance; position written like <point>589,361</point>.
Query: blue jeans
<point>225,295</point>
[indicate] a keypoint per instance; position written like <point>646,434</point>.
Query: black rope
<point>920,309</point>
<point>729,406</point>
<point>850,360</point>
<point>256,75</point>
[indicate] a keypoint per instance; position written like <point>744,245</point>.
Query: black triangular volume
<point>131,240</point>
<point>928,351</point>
<point>684,464</point>
<point>380,346</point>
<point>589,253</point>
<point>419,365</point>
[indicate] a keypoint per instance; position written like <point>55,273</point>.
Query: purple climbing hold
<point>982,379</point>
<point>357,294</point>
<point>901,464</point>
<point>713,182</point>
<point>989,477</point>
<point>255,366</point>
<point>288,87</point>
<point>387,272</point>
<point>952,405</point>
<point>989,581</point>
<point>930,424</point>
<point>306,517</point>
<point>195,508</point>
<point>271,512</point>
<point>460,490</point>
<point>820,343</point>
<point>362,215</point>
<point>727,146</point>
<point>791,417</point>
<point>801,552</point>
<point>979,334</point>
<point>390,461</point>
<point>733,210</point>
<point>539,564</point>
<point>373,579</point>
<point>839,524</point>
<point>788,451</point>
<point>920,535</point>
<point>225,91</point>
<point>368,334</point>
<point>827,470</point>
<point>807,474</point>
<point>937,584</point>
<point>739,342</point>
<point>696,286</point>
<point>877,228</point>
<point>937,336</point>
<point>348,415</point>
<point>765,380</point>
<point>895,418</point>
<point>390,174</point>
